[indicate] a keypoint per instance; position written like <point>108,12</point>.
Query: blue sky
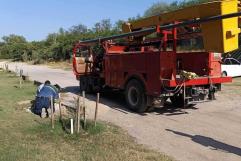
<point>34,19</point>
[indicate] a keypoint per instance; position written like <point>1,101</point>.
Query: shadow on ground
<point>115,100</point>
<point>210,142</point>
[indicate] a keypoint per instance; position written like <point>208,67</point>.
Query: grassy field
<point>24,136</point>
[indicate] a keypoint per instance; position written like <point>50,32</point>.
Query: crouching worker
<point>43,98</point>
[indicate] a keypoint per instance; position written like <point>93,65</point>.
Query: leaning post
<point>84,108</point>
<point>52,111</point>
<point>20,77</point>
<point>96,107</point>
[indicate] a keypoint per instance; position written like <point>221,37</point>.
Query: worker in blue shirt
<point>44,94</point>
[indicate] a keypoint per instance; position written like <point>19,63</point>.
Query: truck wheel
<point>224,74</point>
<point>136,97</point>
<point>96,85</point>
<point>177,101</point>
<point>84,84</point>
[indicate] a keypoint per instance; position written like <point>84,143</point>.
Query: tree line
<point>58,46</point>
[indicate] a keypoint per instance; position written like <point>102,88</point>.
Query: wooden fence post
<point>6,67</point>
<point>78,115</point>
<point>20,77</point>
<point>16,69</point>
<point>84,108</point>
<point>96,107</point>
<point>60,106</point>
<point>52,111</point>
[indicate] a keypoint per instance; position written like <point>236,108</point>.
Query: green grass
<point>25,137</point>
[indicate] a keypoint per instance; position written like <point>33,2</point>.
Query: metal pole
<point>71,126</point>
<point>98,40</point>
<point>184,94</point>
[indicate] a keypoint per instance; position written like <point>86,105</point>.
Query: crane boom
<point>218,21</point>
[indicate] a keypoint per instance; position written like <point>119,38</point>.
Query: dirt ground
<point>209,131</point>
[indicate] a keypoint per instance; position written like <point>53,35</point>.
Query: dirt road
<point>210,131</point>
<point>43,73</point>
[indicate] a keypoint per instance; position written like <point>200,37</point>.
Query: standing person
<point>42,101</point>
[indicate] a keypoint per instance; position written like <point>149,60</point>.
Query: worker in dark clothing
<point>43,98</point>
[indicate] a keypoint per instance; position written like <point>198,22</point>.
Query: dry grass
<point>60,65</point>
<point>65,65</point>
<point>26,137</point>
<point>236,83</point>
<point>234,88</point>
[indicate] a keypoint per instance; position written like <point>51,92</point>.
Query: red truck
<point>149,69</point>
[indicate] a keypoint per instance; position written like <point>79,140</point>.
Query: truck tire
<point>224,74</point>
<point>135,96</point>
<point>84,84</point>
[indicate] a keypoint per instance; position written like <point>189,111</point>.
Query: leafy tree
<point>118,26</point>
<point>157,8</point>
<point>78,29</point>
<point>14,47</point>
<point>102,26</point>
<point>162,7</point>
<point>11,39</point>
